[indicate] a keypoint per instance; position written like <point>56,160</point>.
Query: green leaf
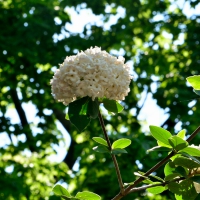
<point>194,81</point>
<point>181,171</point>
<point>93,108</point>
<point>191,157</point>
<point>87,196</point>
<point>76,112</point>
<point>156,177</point>
<point>101,149</point>
<point>169,168</point>
<point>181,134</point>
<point>140,174</point>
<point>197,92</point>
<point>185,189</point>
<point>59,190</point>
<point>172,176</point>
<point>160,134</point>
<point>161,144</point>
<point>191,151</point>
<point>67,116</point>
<point>195,179</point>
<point>100,141</point>
<point>118,151</point>
<point>121,143</point>
<point>112,106</point>
<point>177,143</point>
<point>186,162</point>
<point>156,189</point>
<point>159,148</point>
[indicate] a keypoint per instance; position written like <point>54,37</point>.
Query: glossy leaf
<point>191,151</point>
<point>191,157</point>
<point>121,143</point>
<point>161,144</point>
<point>100,141</point>
<point>77,113</point>
<point>59,190</point>
<point>159,148</point>
<point>87,196</point>
<point>194,81</point>
<point>118,151</point>
<point>177,143</point>
<point>168,169</point>
<point>101,149</point>
<point>160,134</point>
<point>156,189</point>
<point>181,134</point>
<point>112,106</point>
<point>186,162</point>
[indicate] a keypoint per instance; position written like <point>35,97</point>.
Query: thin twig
<point>113,156</point>
<point>193,134</point>
<point>130,188</point>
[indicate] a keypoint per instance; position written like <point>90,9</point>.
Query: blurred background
<point>38,147</point>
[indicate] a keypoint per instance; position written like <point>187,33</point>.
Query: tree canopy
<point>161,43</point>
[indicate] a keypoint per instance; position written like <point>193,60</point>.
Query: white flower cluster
<point>92,73</point>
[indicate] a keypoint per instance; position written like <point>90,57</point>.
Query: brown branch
<point>130,188</point>
<point>113,156</point>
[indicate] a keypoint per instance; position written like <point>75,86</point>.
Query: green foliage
<point>32,45</point>
<point>160,134</point>
<point>194,81</point>
<point>101,149</point>
<point>100,141</point>
<point>78,113</point>
<point>121,143</point>
<point>59,190</point>
<point>156,189</point>
<point>112,106</point>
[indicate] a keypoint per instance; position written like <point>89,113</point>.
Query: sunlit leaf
<point>160,134</point>
<point>121,143</point>
<point>194,81</point>
<point>177,143</point>
<point>191,151</point>
<point>59,190</point>
<point>156,189</point>
<point>87,196</point>
<point>161,144</point>
<point>159,148</point>
<point>112,106</point>
<point>181,134</point>
<point>169,169</point>
<point>100,141</point>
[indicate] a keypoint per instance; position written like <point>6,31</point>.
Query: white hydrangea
<point>93,73</point>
